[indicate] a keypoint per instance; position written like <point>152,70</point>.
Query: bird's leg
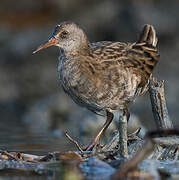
<point>123,119</point>
<point>126,113</point>
<point>105,126</point>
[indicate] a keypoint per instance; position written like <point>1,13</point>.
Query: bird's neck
<point>69,67</point>
<point>76,52</point>
<point>71,62</point>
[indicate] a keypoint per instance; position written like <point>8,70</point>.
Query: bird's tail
<point>148,35</point>
<point>147,54</point>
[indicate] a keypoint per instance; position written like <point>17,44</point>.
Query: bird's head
<point>68,36</point>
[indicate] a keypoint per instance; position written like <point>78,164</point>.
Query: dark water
<point>15,136</point>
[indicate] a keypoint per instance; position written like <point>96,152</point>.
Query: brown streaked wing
<point>141,57</point>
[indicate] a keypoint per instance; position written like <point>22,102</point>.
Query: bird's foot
<point>74,141</point>
<point>91,147</point>
<point>134,136</point>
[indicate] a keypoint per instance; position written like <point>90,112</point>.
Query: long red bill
<point>51,42</point>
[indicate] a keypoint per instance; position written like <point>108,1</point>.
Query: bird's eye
<point>63,34</point>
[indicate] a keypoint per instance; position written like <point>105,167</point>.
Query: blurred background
<point>34,110</point>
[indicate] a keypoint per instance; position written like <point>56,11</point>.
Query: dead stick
<point>73,141</point>
<point>158,102</point>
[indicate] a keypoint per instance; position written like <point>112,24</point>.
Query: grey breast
<point>76,85</point>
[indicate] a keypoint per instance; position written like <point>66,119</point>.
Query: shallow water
<point>15,136</point>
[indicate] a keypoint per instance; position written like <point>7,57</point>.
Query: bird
<point>103,76</point>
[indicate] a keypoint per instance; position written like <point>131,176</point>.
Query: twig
<point>134,161</point>
<point>113,143</point>
<point>142,153</point>
<point>74,141</point>
<point>8,155</point>
<point>123,135</point>
<point>158,102</point>
<point>162,133</point>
